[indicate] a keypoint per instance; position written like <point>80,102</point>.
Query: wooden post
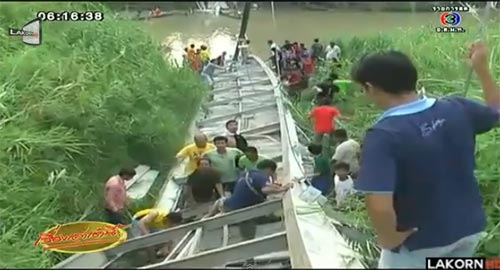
<point>243,28</point>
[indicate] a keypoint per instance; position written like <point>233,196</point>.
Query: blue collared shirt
<point>423,153</point>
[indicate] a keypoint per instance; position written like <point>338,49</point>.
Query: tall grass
<point>440,59</point>
<point>93,97</point>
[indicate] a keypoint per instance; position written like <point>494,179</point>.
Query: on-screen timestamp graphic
<point>450,19</point>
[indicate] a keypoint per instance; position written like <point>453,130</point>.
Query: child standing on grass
<point>343,182</point>
<point>322,178</point>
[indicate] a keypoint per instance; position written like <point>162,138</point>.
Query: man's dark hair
<point>192,46</point>
<point>203,158</point>
<point>251,149</point>
<point>302,45</point>
<point>269,41</point>
<point>248,41</point>
<point>340,133</point>
<point>203,47</point>
<point>267,164</point>
<point>230,122</point>
<point>220,138</point>
<point>341,165</point>
<point>126,172</point>
<point>175,217</point>
<point>316,40</point>
<point>324,102</point>
<point>186,49</point>
<point>315,149</point>
<point>391,71</point>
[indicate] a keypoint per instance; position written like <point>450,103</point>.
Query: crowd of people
<point>415,167</point>
<point>295,63</point>
<point>201,61</point>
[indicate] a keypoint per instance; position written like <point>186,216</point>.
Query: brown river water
<point>292,24</point>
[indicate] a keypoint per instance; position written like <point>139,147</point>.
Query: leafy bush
<point>440,59</point>
<point>93,97</point>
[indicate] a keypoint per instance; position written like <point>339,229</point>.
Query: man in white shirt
<point>333,52</point>
<point>344,185</point>
<point>347,151</point>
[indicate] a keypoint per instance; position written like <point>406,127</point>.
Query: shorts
<point>115,217</point>
<point>323,184</point>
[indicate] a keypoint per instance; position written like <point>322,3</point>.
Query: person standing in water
<point>116,196</point>
<point>194,151</point>
<point>224,160</point>
<point>317,50</point>
<point>418,161</point>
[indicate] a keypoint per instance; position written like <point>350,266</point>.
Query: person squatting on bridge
<point>234,138</point>
<point>417,166</point>
<point>224,160</point>
<point>149,221</point>
<point>252,187</point>
<point>115,195</point>
<point>203,184</point>
<point>193,152</point>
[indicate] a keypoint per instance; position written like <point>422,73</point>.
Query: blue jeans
<point>415,259</point>
<point>208,79</point>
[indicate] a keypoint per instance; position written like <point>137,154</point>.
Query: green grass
<point>93,97</point>
<point>440,59</point>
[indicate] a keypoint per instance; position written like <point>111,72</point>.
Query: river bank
<point>94,97</point>
<point>442,72</point>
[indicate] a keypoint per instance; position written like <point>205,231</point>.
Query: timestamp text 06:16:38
<point>72,16</point>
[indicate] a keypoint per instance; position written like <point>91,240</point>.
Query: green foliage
<point>440,59</point>
<point>93,97</point>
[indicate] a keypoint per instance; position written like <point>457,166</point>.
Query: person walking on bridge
<point>202,183</point>
<point>224,160</point>
<point>234,138</point>
<point>116,196</point>
<point>209,70</point>
<point>194,151</point>
<point>417,161</point>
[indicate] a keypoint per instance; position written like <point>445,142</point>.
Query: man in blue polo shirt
<point>252,188</point>
<point>417,167</point>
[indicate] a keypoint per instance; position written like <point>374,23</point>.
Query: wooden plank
<point>236,252</point>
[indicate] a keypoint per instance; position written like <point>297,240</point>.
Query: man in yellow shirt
<point>152,220</point>
<point>204,55</point>
<point>194,151</point>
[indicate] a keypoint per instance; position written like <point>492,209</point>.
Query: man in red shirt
<point>323,117</point>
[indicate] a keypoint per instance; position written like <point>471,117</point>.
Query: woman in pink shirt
<point>116,196</point>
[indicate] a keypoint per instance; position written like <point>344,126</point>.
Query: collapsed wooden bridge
<point>300,235</point>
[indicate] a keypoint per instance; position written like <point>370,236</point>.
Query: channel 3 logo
<point>450,19</point>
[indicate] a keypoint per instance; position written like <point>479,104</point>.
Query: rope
<point>482,31</point>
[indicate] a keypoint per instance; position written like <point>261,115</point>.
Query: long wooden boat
<point>303,236</point>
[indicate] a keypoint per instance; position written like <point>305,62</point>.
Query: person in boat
<point>418,161</point>
<point>221,59</point>
<point>234,138</point>
<point>115,195</point>
<point>197,64</point>
<point>344,185</point>
<point>317,50</point>
<point>149,221</point>
<point>224,159</point>
<point>252,188</point>
<point>157,12</point>
<point>194,151</point>
<point>209,70</point>
<point>203,183</point>
<point>347,151</point>
<point>322,178</point>
<point>250,160</point>
<point>204,55</point>
<point>323,117</point>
